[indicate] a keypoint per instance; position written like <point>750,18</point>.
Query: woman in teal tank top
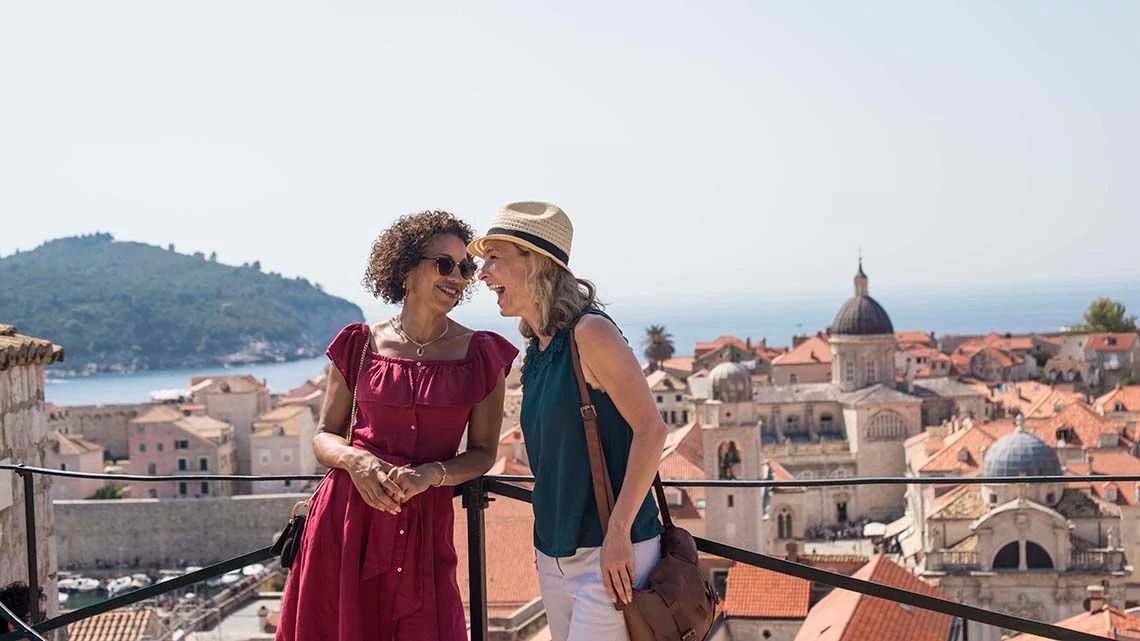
<point>582,574</point>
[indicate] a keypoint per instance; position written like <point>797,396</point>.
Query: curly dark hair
<point>398,249</point>
<point>17,598</point>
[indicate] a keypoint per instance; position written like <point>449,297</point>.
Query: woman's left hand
<point>617,565</point>
<point>412,480</point>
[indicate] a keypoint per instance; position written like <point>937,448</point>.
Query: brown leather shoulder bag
<point>678,602</point>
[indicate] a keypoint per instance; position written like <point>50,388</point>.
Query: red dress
<point>366,575</point>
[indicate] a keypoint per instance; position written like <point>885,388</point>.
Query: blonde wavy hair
<point>561,297</point>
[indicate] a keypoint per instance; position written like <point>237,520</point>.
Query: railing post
<point>30,545</point>
<point>475,501</point>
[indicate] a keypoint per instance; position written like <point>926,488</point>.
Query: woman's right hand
<point>370,476</point>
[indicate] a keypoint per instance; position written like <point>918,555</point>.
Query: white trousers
<point>577,606</point>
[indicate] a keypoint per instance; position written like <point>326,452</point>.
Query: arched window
<point>1036,558</point>
<point>728,460</point>
<point>784,523</point>
<point>886,426</point>
<point>1007,558</point>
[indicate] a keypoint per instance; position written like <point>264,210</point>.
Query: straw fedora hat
<point>537,226</point>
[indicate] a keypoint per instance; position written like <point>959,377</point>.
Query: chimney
<point>793,554</point>
<point>748,343</point>
<point>1096,598</point>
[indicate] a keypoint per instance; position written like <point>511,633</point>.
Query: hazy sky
<point>703,149</point>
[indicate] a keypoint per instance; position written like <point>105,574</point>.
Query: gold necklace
<point>398,326</point>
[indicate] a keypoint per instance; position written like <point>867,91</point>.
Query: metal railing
<point>476,498</point>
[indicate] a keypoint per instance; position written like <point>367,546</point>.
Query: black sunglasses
<point>445,265</point>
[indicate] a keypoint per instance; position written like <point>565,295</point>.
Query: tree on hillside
<point>1105,315</point>
<point>657,344</point>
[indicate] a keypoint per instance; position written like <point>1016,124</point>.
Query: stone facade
<point>24,440</point>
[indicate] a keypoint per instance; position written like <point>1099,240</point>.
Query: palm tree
<point>658,345</point>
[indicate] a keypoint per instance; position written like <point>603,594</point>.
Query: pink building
<point>75,454</point>
<point>282,444</point>
<point>237,400</point>
<point>167,440</point>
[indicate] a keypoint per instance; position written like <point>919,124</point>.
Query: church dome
<point>1020,453</point>
<point>861,315</point>
<point>731,383</point>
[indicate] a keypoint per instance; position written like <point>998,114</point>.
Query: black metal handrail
<point>476,498</point>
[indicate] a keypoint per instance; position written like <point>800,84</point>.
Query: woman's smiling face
<point>427,285</point>
<point>504,271</point>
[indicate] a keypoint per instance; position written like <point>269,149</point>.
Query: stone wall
<point>105,425</point>
<point>23,439</point>
<point>162,532</point>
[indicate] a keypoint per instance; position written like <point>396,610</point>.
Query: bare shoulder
<point>594,330</point>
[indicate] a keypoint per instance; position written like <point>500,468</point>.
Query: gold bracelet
<point>442,479</point>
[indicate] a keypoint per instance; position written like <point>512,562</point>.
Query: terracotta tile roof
<point>72,445</point>
<point>1128,397</point>
<point>117,625</point>
<point>232,384</point>
<point>1086,425</point>
<point>17,349</point>
<point>850,616</point>
<point>159,414</point>
<point>703,347</point>
<point>963,502</point>
<point>1109,462</point>
<point>914,338</point>
<point>662,381</point>
<point>779,472</point>
<point>678,364</point>
<point>1108,622</point>
<point>683,459</point>
<point>289,417</point>
<point>1112,342</point>
<point>815,350</point>
<point>961,453</point>
<point>512,581</point>
<point>1052,402</point>
<point>204,426</point>
<point>841,563</point>
<point>758,593</point>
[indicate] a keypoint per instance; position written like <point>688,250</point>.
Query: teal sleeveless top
<point>565,513</point>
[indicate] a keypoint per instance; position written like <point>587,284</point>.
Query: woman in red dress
<point>377,560</point>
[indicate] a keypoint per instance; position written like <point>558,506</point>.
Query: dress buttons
<point>401,531</point>
<point>399,569</point>
<point>413,427</point>
<point>419,364</point>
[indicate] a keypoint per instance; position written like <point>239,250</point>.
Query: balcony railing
<point>476,497</point>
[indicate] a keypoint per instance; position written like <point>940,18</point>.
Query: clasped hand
<point>384,486</point>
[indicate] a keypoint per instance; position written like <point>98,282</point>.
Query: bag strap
<point>356,385</point>
<point>351,420</point>
<point>599,473</point>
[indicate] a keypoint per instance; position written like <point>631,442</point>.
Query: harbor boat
<point>63,597</point>
<point>68,584</point>
<point>140,581</point>
<point>84,584</point>
<point>256,569</point>
<point>118,586</point>
<point>231,577</point>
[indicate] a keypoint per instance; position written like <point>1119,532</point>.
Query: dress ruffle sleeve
<point>345,349</point>
<point>496,357</point>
